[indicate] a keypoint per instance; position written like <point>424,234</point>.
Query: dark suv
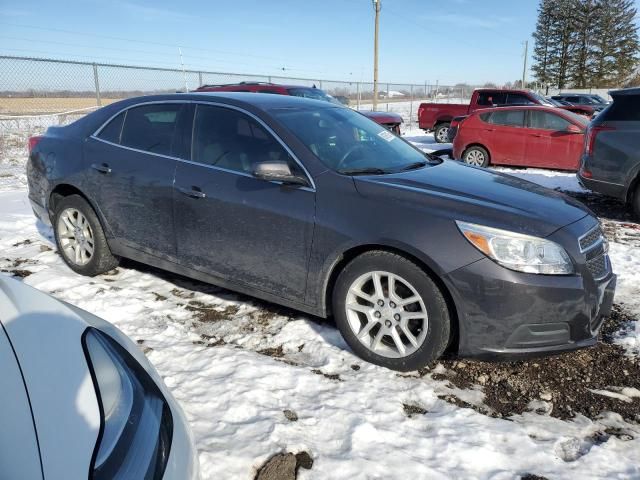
<point>389,120</point>
<point>611,159</point>
<point>594,101</point>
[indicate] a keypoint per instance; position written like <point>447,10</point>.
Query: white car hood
<point>46,336</point>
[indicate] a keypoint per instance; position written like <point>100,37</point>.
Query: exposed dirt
<point>561,386</point>
<point>411,409</point>
<point>330,376</point>
<point>284,466</point>
<point>290,415</point>
<point>208,313</point>
<point>604,207</point>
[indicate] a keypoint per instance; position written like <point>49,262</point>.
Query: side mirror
<point>276,171</point>
<point>573,129</point>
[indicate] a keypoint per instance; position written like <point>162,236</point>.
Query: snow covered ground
<point>237,364</point>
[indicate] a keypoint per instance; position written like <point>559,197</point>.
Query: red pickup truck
<point>437,117</point>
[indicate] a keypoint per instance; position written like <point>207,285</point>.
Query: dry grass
<point>44,105</point>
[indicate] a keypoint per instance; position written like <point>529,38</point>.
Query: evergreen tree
<point>585,43</point>
<point>587,14</point>
<point>542,48</point>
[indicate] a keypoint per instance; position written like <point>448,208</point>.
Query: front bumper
<point>508,315</point>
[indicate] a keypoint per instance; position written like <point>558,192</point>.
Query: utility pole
<point>184,73</point>
<point>524,68</point>
<point>377,5</point>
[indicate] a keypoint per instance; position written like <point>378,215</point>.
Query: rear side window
<point>624,108</point>
<point>151,128</point>
<point>547,121</point>
<point>492,98</point>
<point>508,118</point>
<point>111,132</point>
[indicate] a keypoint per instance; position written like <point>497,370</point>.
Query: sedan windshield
<point>349,143</point>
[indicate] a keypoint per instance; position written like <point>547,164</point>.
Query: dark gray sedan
<point>313,206</point>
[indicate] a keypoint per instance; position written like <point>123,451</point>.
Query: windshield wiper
<point>364,171</point>
<point>413,166</point>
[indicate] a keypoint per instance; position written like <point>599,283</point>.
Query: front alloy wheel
<point>390,311</point>
<point>387,314</point>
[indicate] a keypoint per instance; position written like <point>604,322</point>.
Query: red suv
<point>389,120</point>
<point>543,137</point>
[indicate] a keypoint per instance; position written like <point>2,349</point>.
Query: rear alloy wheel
<point>80,238</point>
<point>441,133</point>
<point>390,312</point>
<point>476,156</point>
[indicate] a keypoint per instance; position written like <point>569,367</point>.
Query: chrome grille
<point>598,266</point>
<point>591,238</point>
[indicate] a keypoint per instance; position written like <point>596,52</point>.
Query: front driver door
<point>233,225</point>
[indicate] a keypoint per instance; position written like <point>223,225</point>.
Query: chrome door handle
<point>102,168</point>
<point>193,192</point>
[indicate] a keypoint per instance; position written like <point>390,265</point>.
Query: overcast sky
<point>472,41</point>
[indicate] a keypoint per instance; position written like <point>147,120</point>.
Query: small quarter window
<point>111,132</point>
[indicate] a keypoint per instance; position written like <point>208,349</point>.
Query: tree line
<point>586,43</point>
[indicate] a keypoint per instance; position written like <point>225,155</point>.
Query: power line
<point>149,42</point>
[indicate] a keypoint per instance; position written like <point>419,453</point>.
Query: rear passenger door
<point>131,166</point>
<point>503,136</point>
<point>232,225</point>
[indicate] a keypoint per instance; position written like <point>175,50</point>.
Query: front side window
<point>111,132</point>
<point>151,128</point>
<point>348,142</point>
<point>547,121</point>
<point>508,118</point>
<point>229,139</point>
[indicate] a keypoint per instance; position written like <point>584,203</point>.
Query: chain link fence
<point>60,90</point>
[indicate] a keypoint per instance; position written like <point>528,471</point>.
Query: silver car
<point>80,400</point>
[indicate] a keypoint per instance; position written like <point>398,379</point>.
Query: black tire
<point>439,323</point>
<point>476,152</point>
<point>101,260</point>
<point>441,133</point>
<point>636,201</point>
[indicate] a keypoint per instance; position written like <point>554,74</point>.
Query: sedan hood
<point>478,195</point>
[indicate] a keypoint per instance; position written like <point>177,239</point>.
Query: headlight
<point>515,251</point>
<point>136,423</point>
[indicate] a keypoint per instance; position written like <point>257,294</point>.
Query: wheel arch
<point>477,144</point>
<point>63,190</point>
<point>347,256</point>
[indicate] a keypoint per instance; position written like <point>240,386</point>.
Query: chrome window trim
<point>312,186</point>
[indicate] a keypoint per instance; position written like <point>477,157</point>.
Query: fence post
<point>97,84</point>
<point>411,108</point>
<point>269,78</point>
<point>358,95</point>
<point>387,97</point>
<point>199,79</point>
<point>320,84</point>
